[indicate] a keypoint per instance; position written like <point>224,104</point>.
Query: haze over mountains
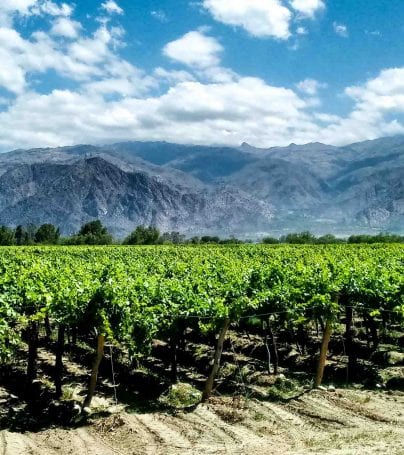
<point>241,191</point>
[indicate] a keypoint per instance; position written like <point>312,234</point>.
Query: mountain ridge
<point>242,191</point>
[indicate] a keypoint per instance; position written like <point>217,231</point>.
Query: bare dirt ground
<point>340,422</point>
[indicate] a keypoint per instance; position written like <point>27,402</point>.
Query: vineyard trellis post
<point>216,362</point>
<point>94,373</point>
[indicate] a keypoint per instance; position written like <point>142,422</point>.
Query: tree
<point>92,233</point>
<point>305,237</point>
<point>19,233</point>
<point>329,238</point>
<point>6,236</point>
<point>47,233</point>
<point>143,236</point>
<point>172,237</point>
<point>210,239</point>
<point>25,235</point>
<point>270,240</point>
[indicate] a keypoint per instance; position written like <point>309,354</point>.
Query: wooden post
<point>94,372</point>
<point>48,330</point>
<point>32,352</point>
<point>323,353</point>
<point>274,348</point>
<point>216,362</point>
<point>349,342</point>
<point>174,361</point>
<point>267,347</point>
<point>59,361</point>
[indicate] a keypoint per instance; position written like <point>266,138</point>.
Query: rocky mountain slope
<point>216,190</point>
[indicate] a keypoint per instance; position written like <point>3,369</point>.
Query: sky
<point>266,72</point>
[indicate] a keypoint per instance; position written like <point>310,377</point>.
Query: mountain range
<point>242,191</point>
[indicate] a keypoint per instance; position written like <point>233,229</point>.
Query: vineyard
<point>231,320</point>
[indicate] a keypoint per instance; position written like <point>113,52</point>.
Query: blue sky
<point>268,72</point>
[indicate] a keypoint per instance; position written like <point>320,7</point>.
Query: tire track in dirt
<point>77,441</point>
<point>167,435</point>
<point>15,443</point>
<point>260,428</point>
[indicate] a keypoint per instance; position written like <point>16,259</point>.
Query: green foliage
<point>329,239</point>
<point>172,238</point>
<point>379,238</point>
<point>143,236</point>
<point>284,389</point>
<point>47,234</point>
<point>209,239</point>
<point>181,395</point>
<point>133,295</point>
<point>270,240</point>
<point>92,233</point>
<point>305,237</point>
<point>6,236</point>
<point>25,235</point>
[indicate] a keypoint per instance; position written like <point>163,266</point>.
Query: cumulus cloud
<point>190,111</point>
<point>378,104</point>
<point>66,27</point>
<point>172,76</point>
<point>307,8</point>
<point>340,29</point>
<point>83,59</point>
<point>20,6</point>
<point>111,7</point>
<point>310,86</point>
<point>10,8</point>
<point>53,9</point>
<point>382,94</point>
<point>203,103</point>
<point>195,49</point>
<point>259,18</point>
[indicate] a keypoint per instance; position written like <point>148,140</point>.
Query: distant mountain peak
<point>237,191</point>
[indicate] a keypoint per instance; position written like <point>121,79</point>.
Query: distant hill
<point>241,191</point>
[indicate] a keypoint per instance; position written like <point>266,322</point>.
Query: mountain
<point>68,194</point>
<point>244,191</point>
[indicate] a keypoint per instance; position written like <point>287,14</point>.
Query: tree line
<point>95,233</point>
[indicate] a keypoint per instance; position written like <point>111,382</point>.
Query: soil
<point>339,422</point>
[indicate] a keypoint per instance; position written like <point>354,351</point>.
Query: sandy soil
<point>341,422</point>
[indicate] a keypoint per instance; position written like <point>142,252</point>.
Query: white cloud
<point>20,6</point>
<point>310,86</point>
<point>382,94</point>
<point>53,9</point>
<point>160,15</point>
<point>9,8</point>
<point>195,49</point>
<point>84,59</point>
<point>327,118</point>
<point>112,7</point>
<point>227,112</point>
<point>373,32</point>
<point>12,77</point>
<point>172,76</point>
<point>307,8</point>
<point>66,27</point>
<point>206,103</point>
<point>340,29</point>
<point>378,103</point>
<point>301,31</point>
<point>260,18</point>
<point>193,112</point>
